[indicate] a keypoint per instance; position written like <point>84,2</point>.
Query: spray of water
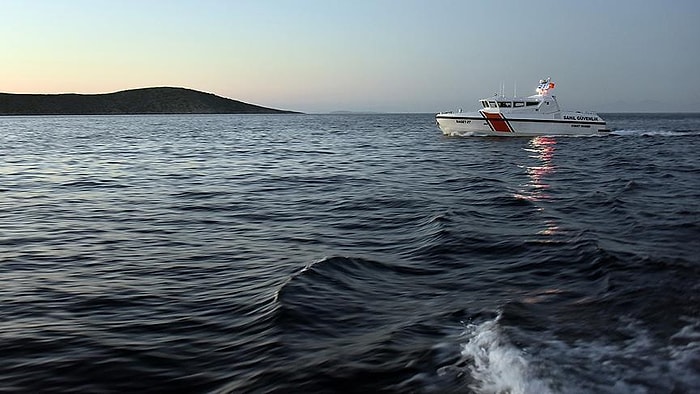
<point>495,365</point>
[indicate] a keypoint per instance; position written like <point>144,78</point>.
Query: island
<point>156,100</point>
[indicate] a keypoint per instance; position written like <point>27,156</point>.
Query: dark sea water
<point>348,254</point>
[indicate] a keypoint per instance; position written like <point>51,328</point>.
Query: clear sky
<point>373,55</point>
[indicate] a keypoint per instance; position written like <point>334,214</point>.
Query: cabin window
<point>492,104</point>
<point>518,104</point>
<point>531,103</point>
<point>484,103</point>
<point>504,104</point>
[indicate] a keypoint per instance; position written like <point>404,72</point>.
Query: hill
<point>159,100</point>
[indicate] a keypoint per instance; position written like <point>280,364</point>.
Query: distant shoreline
<point>145,101</point>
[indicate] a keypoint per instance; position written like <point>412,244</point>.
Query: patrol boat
<point>534,115</point>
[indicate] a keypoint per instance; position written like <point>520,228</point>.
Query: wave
<point>333,294</point>
<point>340,323</point>
<point>491,364</point>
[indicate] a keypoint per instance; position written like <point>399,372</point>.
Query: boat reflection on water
<point>536,189</point>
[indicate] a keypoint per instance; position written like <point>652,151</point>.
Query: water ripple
<point>346,253</point>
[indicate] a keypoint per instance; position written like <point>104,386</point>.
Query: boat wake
<point>668,125</point>
<point>663,133</point>
<point>491,364</point>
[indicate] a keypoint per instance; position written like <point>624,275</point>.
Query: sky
<point>319,56</point>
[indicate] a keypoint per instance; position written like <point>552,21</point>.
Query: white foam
<point>667,133</point>
<point>495,365</point>
<point>639,363</point>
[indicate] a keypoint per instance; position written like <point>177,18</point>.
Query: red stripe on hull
<point>497,122</point>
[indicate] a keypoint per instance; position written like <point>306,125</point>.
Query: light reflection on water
<point>537,188</point>
<point>543,149</point>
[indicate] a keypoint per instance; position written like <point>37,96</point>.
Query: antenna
<point>515,89</point>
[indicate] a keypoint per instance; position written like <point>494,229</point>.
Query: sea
<point>347,253</point>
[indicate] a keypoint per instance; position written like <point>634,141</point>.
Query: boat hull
<point>496,124</point>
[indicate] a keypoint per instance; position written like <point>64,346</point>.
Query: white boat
<point>534,115</point>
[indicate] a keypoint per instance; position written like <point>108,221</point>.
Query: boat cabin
<point>538,104</point>
<point>500,103</point>
<point>541,103</point>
